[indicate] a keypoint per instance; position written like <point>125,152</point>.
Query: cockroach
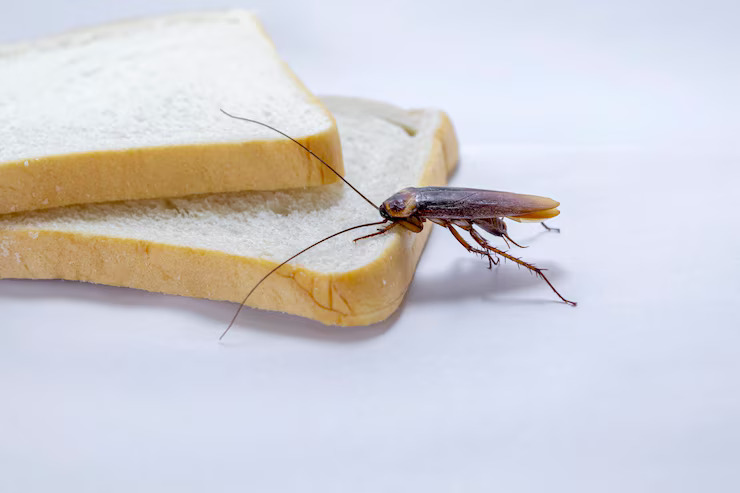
<point>452,208</point>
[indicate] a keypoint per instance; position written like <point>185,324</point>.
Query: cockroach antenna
<point>285,262</point>
<point>304,147</point>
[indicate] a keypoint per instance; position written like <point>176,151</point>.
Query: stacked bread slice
<point>199,228</point>
<point>131,111</point>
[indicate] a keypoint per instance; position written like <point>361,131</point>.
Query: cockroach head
<point>400,205</point>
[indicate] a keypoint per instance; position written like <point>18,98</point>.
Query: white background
<point>626,112</point>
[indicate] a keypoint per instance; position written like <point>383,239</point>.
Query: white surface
<point>627,114</point>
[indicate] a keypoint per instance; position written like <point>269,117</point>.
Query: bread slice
<point>131,110</point>
<point>217,246</point>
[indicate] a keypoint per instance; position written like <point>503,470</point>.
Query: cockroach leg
<point>478,238</point>
<point>507,237</point>
<point>493,225</point>
<point>491,259</point>
<point>539,272</point>
<point>379,232</point>
<point>557,230</point>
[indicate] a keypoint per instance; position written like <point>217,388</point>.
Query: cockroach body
<point>466,208</point>
<point>449,207</point>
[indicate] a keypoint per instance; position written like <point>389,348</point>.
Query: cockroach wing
<point>535,217</point>
<point>472,203</point>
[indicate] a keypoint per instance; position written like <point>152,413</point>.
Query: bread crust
<point>359,297</point>
<point>172,171</point>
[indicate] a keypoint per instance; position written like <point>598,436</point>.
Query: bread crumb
<point>33,234</point>
<point>58,188</point>
<point>45,201</point>
<point>4,251</point>
<point>25,163</point>
<point>384,282</point>
<point>18,257</point>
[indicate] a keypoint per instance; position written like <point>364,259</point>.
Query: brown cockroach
<point>449,207</point>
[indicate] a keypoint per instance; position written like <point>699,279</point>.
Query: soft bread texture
<point>131,111</point>
<point>218,246</point>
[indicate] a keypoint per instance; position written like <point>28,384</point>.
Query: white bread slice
<point>131,110</point>
<point>217,246</point>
